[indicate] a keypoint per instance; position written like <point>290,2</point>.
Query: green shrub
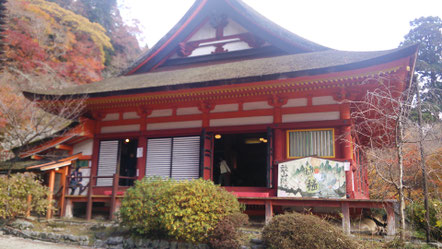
<point>182,210</point>
<point>140,210</point>
<point>226,234</point>
<point>294,230</point>
<point>416,213</point>
<point>14,193</point>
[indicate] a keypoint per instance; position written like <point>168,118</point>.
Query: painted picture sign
<point>311,177</point>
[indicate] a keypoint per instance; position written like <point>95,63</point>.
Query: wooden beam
<point>64,147</point>
<point>36,157</point>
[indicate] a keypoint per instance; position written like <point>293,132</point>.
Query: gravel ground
<point>11,242</point>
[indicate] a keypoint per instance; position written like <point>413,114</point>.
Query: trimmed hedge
<point>294,230</point>
<point>179,210</point>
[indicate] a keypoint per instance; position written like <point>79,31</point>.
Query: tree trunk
<point>399,145</point>
<point>423,165</point>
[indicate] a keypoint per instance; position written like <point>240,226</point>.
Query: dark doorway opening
<point>246,156</point>
<point>128,161</point>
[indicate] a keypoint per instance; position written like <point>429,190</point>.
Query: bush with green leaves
<point>294,230</point>
<point>181,210</point>
<point>14,192</point>
<point>416,213</point>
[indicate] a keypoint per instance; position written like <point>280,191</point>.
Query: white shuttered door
<point>186,158</point>
<point>107,161</point>
<point>176,157</point>
<point>158,157</point>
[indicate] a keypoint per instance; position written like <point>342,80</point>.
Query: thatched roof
<point>226,73</point>
<point>19,166</point>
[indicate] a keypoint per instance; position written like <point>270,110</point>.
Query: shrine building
<point>225,83</point>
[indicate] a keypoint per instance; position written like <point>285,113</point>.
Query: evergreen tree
<point>427,32</point>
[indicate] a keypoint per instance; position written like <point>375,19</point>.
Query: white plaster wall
<point>130,115</point>
<point>233,28</point>
<point>111,116</point>
<point>241,121</point>
<point>225,108</point>
<point>161,113</point>
<point>256,105</point>
<point>120,128</point>
<point>84,147</point>
<point>323,100</point>
<point>304,117</point>
<point>187,111</point>
<point>205,32</point>
<point>175,125</point>
<point>296,102</point>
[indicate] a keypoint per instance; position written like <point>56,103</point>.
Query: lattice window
<point>315,142</point>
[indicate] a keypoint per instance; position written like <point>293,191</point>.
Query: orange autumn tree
<point>413,179</point>
<point>44,38</point>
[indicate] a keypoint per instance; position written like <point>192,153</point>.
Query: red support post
<point>346,148</point>
<point>268,211</point>
<point>114,196</point>
<point>51,193</point>
<point>345,217</point>
<point>391,222</point>
<point>89,199</point>
<point>278,152</point>
<point>141,161</point>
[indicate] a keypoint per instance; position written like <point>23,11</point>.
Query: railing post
<point>89,200</point>
<point>114,196</point>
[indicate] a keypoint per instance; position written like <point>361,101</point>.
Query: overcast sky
<point>339,24</point>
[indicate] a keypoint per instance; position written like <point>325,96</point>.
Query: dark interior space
<point>245,154</point>
<point>128,161</point>
<point>99,209</point>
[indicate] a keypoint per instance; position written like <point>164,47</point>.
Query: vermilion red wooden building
<point>224,82</point>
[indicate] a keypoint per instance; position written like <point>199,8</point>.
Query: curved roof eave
<point>231,73</point>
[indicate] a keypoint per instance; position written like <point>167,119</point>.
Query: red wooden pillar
<point>51,193</point>
<point>278,152</point>
<point>114,196</point>
<point>278,135</point>
<point>141,162</point>
<point>92,179</point>
<point>63,191</point>
<point>89,199</point>
<point>346,148</point>
<point>28,207</point>
<point>268,211</point>
<point>345,217</point>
